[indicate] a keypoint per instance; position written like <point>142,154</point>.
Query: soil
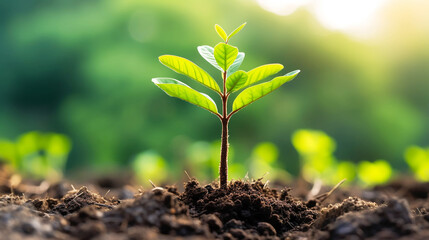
<point>247,209</point>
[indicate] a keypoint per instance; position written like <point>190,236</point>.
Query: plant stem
<point>223,168</point>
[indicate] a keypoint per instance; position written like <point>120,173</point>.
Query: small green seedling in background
<point>37,155</point>
<point>374,173</point>
<point>316,150</point>
<point>227,59</point>
<point>150,165</point>
<point>264,160</point>
<point>417,159</point>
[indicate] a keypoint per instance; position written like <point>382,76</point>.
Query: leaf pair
<point>222,32</point>
<point>175,88</point>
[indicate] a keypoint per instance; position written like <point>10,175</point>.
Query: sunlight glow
<point>351,16</point>
<point>282,7</point>
<point>344,15</point>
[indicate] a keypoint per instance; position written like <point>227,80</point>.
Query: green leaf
<point>236,30</point>
<point>207,53</point>
<point>261,72</point>
<point>236,64</point>
<point>225,55</point>
<point>236,80</point>
<point>221,32</point>
<point>254,93</point>
<point>175,88</point>
<point>190,69</point>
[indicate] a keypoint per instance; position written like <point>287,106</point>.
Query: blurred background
<point>76,76</point>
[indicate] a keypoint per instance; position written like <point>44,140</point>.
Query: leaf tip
<point>293,72</point>
<point>162,58</point>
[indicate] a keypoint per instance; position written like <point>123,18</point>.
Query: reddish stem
<point>223,168</point>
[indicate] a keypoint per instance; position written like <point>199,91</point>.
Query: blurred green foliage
<point>373,173</point>
<point>37,155</point>
<point>318,162</point>
<point>201,160</point>
<point>83,68</point>
<point>150,166</point>
<point>316,150</point>
<point>417,159</point>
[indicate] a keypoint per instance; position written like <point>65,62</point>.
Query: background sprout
<point>37,155</point>
<point>373,173</point>
<point>8,153</point>
<point>151,166</point>
<point>417,159</point>
<point>264,161</point>
<point>316,151</point>
<point>227,59</point>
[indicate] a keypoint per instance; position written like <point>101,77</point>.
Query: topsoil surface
<point>245,210</point>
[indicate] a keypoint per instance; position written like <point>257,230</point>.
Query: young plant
<point>37,155</point>
<point>227,59</point>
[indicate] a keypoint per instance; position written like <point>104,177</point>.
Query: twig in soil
<point>153,185</point>
<point>74,189</point>
<point>74,199</point>
<point>290,225</point>
<point>102,205</point>
<point>266,183</point>
<point>106,193</point>
<point>188,175</point>
<point>324,196</point>
<point>263,176</point>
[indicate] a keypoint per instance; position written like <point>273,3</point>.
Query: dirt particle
<point>265,228</point>
<point>238,233</point>
<point>214,223</point>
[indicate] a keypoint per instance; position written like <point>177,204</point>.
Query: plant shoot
<point>227,59</point>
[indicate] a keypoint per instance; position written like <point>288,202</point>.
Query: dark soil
<point>245,210</point>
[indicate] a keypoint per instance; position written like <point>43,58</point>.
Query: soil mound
<point>391,221</point>
<point>246,209</point>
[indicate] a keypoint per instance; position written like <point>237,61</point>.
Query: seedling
<point>318,162</point>
<point>417,159</point>
<point>373,173</point>
<point>227,59</point>
<point>38,155</point>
